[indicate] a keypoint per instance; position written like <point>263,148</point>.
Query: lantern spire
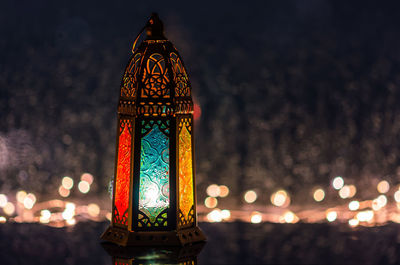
<point>155,28</point>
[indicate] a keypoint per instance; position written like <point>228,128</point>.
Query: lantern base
<point>125,237</point>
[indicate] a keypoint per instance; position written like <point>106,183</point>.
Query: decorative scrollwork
<point>123,220</point>
<point>129,81</point>
<point>155,78</point>
<point>181,80</point>
<point>160,220</point>
<point>163,125</point>
<point>185,221</point>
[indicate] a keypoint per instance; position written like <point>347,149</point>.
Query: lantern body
<point>154,200</point>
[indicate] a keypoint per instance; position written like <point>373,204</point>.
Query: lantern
<point>154,198</point>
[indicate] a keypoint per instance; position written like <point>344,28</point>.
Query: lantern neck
<point>155,28</point>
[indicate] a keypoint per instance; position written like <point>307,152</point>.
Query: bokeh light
<point>397,196</point>
<point>63,192</point>
<point>67,183</point>
<point>29,201</point>
<point>331,216</point>
<point>9,208</point>
<point>256,218</point>
<point>21,196</point>
<point>319,195</point>
<point>215,216</point>
<point>225,214</point>
<point>365,216</point>
<point>344,192</point>
<point>337,183</point>
<point>93,210</point>
<point>3,200</point>
<point>211,202</point>
<point>353,222</point>
<point>250,196</point>
<point>223,191</point>
<point>2,220</point>
<point>213,190</point>
<point>354,205</point>
<point>87,177</point>
<point>84,186</point>
<point>280,198</point>
<point>383,186</point>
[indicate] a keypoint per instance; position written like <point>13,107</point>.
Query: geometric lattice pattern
<point>129,81</point>
<point>155,78</point>
<point>180,77</point>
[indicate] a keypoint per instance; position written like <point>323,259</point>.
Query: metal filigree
<point>129,80</point>
<point>155,78</point>
<point>181,80</point>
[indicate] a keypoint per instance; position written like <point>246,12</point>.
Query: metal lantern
<point>154,195</point>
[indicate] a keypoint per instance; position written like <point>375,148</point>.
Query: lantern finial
<point>155,28</point>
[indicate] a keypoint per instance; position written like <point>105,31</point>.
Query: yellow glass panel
<point>185,172</point>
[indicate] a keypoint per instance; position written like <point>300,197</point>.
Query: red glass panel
<point>122,184</point>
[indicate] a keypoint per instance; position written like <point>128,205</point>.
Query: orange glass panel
<point>186,195</point>
<point>121,200</point>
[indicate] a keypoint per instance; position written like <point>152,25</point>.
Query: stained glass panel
<point>154,175</point>
<point>186,195</point>
<point>121,200</point>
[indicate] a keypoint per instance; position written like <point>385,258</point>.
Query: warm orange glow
<point>21,196</point>
<point>63,191</point>
<point>383,186</point>
<point>319,195</point>
<point>338,183</point>
<point>280,199</point>
<point>331,216</point>
<point>211,202</point>
<point>3,200</point>
<point>223,191</point>
<point>250,196</point>
<point>93,210</point>
<point>213,190</point>
<point>67,183</point>
<point>83,186</point>
<point>9,208</point>
<point>256,218</point>
<point>87,177</point>
<point>186,192</point>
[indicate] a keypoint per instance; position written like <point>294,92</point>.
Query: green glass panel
<point>154,173</point>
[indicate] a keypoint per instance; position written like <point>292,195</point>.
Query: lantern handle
<point>137,38</point>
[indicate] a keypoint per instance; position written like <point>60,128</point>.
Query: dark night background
<point>291,93</point>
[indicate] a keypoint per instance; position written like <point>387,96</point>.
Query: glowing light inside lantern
<point>122,182</point>
<point>186,200</point>
<point>154,173</point>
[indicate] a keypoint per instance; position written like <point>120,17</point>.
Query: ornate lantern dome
<point>155,82</point>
